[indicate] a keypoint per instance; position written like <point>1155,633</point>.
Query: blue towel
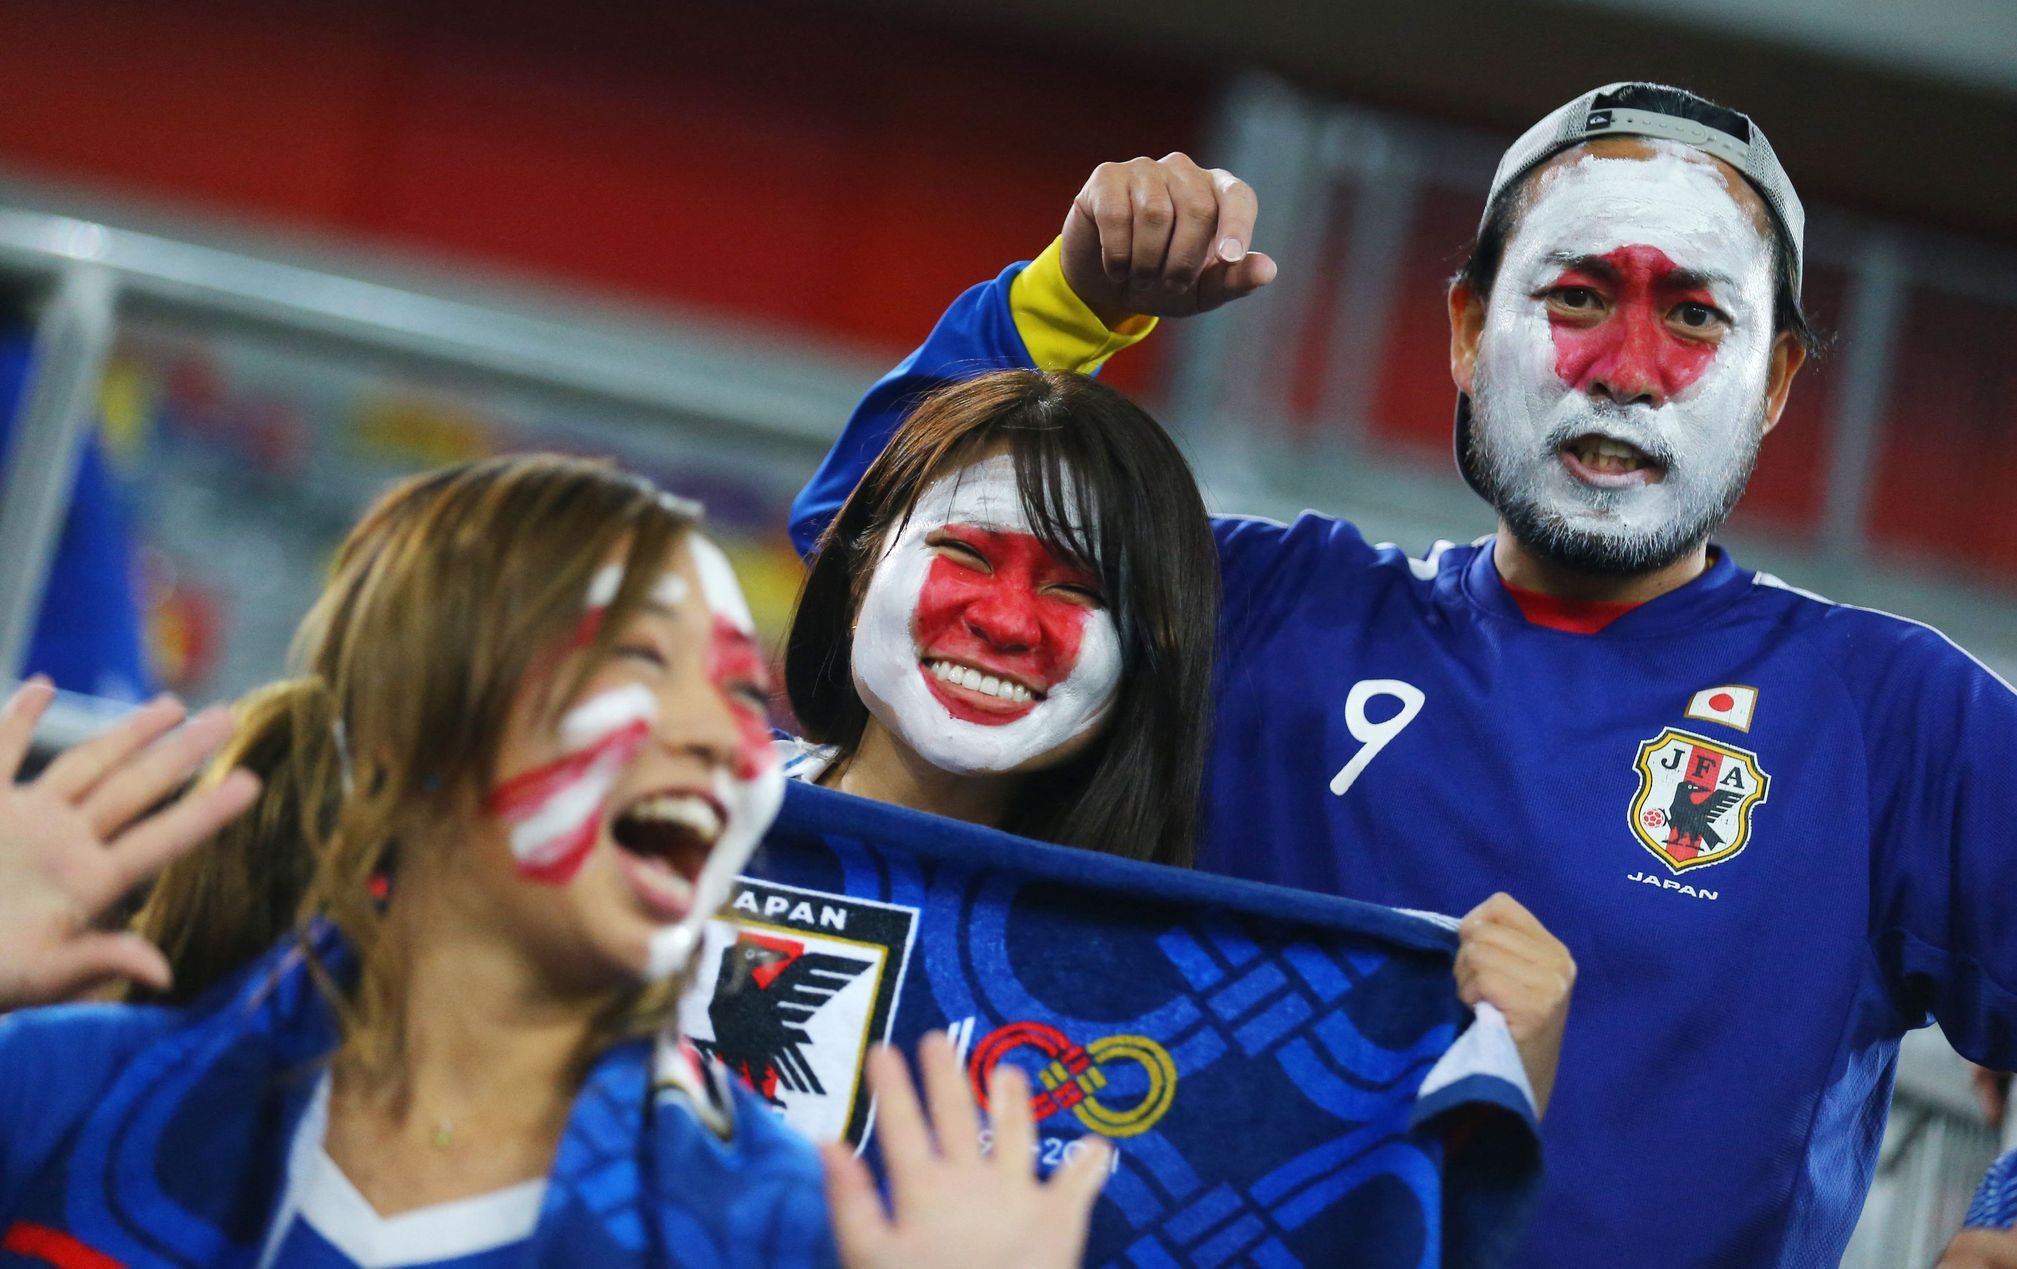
<point>1288,1077</point>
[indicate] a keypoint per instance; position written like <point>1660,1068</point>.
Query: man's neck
<point>886,769</point>
<point>1522,568</point>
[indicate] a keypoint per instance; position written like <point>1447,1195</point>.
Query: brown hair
<point>450,592</point>
<point>1130,512</point>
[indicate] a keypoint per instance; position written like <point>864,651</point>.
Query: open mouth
<point>979,695</point>
<point>664,839</point>
<point>1610,463</point>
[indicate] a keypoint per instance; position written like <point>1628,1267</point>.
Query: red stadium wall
<point>840,173</point>
<point>831,172</point>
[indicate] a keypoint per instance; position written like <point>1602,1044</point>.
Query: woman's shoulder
<point>56,1063</point>
<point>74,1040</point>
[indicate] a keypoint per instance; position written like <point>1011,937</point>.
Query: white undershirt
<point>319,1193</point>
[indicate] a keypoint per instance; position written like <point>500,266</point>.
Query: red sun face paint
<point>1604,415</point>
<point>991,603</point>
<point>1631,350</point>
<point>966,649</point>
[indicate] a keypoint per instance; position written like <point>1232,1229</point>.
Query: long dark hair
<point>1146,537</point>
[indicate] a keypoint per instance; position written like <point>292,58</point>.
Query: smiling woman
<point>505,656</point>
<point>1011,621</point>
<point>423,994</point>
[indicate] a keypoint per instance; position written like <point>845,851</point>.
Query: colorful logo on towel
<point>796,985</point>
<point>1118,1085</point>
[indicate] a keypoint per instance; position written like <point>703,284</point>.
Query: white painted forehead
<point>984,494</point>
<point>1675,197</point>
<point>670,589</point>
<point>718,585</point>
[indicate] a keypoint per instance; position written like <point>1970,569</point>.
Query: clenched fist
<point>1162,237</point>
<point>1506,956</point>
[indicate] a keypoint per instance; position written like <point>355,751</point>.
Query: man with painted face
<point>1771,829</point>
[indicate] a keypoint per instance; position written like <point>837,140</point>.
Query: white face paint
<point>554,811</point>
<point>972,647</point>
<point>751,794</point>
<point>669,591</point>
<point>1607,431</point>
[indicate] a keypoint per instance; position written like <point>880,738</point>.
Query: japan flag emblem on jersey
<point>1730,705</point>
<point>1695,799</point>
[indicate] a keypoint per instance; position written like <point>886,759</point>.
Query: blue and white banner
<point>1288,1078</point>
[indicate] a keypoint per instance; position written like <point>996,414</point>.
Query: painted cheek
<point>555,810</point>
<point>1632,352</point>
<point>732,659</point>
<point>1004,610</point>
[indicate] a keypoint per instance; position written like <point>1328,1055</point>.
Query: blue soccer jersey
<point>1773,830</point>
<point>1995,1203</point>
<point>143,1136</point>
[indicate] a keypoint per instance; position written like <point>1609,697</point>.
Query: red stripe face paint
<point>555,811</point>
<point>1618,395</point>
<point>734,665</point>
<point>752,792</point>
<point>1632,351</point>
<point>975,646</point>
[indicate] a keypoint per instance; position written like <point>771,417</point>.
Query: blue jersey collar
<point>1680,611</point>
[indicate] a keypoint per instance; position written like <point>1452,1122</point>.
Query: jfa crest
<point>792,988</point>
<point>1695,798</point>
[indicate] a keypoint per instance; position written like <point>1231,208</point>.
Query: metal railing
<point>84,273</point>
<point>1323,169</point>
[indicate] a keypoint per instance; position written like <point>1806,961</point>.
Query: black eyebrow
<point>1689,279</point>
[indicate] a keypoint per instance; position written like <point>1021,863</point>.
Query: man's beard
<point>1702,490</point>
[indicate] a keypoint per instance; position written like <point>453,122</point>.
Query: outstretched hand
<point>77,838</point>
<point>954,1203</point>
<point>1506,956</point>
<point>1162,237</point>
<point>1981,1249</point>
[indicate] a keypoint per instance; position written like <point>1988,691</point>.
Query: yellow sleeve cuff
<point>1060,332</point>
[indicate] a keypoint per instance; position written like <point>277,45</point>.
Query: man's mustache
<point>1634,425</point>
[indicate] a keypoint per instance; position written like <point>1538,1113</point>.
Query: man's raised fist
<point>1163,237</point>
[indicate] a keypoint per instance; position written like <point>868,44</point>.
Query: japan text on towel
<point>1288,1077</point>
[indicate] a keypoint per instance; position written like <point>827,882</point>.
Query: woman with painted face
<point>422,991</point>
<point>1010,622</point>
